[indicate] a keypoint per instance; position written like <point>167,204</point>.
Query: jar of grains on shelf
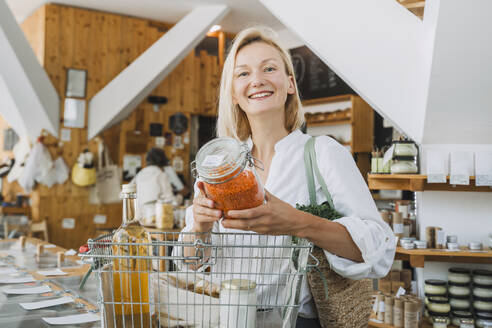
<point>227,169</point>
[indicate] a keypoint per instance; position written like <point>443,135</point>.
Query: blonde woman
<point>259,104</point>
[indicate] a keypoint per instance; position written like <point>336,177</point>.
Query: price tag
<point>401,291</point>
<point>68,223</point>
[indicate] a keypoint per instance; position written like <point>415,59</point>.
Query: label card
<point>68,223</point>
<point>45,304</point>
<point>461,167</point>
<point>213,160</point>
<point>72,319</point>
<point>27,291</point>
<point>54,272</point>
<point>100,219</point>
<point>436,178</point>
<point>437,165</point>
<point>483,168</point>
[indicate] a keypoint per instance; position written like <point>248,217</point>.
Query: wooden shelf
<point>417,182</point>
<point>334,122</point>
<point>327,100</point>
<point>374,324</point>
<point>417,257</point>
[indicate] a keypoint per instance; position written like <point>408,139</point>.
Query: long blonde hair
<point>232,120</point>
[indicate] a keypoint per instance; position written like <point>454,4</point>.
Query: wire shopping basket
<point>200,280</point>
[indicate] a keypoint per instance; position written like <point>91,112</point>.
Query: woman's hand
<point>204,211</point>
<point>275,217</point>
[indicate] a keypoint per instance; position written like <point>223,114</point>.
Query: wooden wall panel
<point>104,44</point>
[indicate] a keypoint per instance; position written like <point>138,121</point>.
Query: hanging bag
<point>348,303</point>
<point>108,182</point>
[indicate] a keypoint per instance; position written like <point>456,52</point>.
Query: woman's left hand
<point>275,217</point>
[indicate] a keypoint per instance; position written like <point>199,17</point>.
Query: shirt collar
<point>282,143</point>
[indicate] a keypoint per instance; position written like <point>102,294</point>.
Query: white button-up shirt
<point>351,197</point>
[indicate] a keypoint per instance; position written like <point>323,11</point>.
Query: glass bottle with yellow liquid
<point>131,276</point>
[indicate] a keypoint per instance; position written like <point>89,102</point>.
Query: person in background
<point>154,182</point>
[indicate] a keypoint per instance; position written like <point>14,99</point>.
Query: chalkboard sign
<point>314,78</point>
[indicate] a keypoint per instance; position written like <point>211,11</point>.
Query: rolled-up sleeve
<point>352,198</point>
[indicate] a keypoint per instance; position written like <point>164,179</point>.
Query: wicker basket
<point>349,301</point>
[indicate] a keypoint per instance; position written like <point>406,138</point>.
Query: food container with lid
<point>453,246</point>
<point>482,304</point>
<point>460,302</point>
<point>451,238</point>
<point>238,303</point>
<point>405,148</point>
<point>482,290</point>
<point>404,165</point>
<point>439,305</point>
<point>483,319</point>
<point>475,246</point>
<point>459,316</point>
<point>457,289</point>
<point>482,277</point>
<point>459,275</point>
<point>227,169</point>
<point>442,318</point>
<point>435,287</point>
<point>420,244</point>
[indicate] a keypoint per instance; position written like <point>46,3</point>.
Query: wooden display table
<point>418,257</point>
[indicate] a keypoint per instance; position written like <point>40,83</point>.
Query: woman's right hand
<point>204,211</point>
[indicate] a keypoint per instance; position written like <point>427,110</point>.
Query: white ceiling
<point>243,12</point>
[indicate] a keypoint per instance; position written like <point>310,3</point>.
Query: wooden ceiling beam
<point>32,101</point>
<point>122,95</point>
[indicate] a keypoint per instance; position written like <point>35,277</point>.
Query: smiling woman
<point>259,105</point>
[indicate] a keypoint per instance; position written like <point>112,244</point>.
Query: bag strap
<point>311,164</point>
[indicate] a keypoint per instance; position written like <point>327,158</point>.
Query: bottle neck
<point>129,208</point>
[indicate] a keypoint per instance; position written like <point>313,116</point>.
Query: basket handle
<point>322,276</point>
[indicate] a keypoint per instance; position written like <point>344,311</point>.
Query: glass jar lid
<point>483,299</point>
<point>481,272</point>
<point>459,270</point>
<point>435,282</point>
<point>220,158</point>
<point>460,297</point>
<point>462,314</point>
<point>482,286</point>
<point>458,284</point>
<point>484,315</point>
<point>438,300</point>
<point>238,284</point>
<point>438,314</point>
<point>404,158</point>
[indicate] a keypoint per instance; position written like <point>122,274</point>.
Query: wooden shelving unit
<point>418,257</point>
<point>417,182</point>
<point>374,324</point>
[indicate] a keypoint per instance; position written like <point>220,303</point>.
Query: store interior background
<point>429,76</point>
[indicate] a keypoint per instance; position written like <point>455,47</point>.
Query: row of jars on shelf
<point>467,295</point>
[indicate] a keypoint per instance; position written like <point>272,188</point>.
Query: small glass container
<point>460,302</point>
<point>405,148</point>
<point>227,169</point>
<point>444,318</point>
<point>462,316</point>
<point>404,165</point>
<point>484,291</point>
<point>440,322</point>
<point>457,289</point>
<point>451,238</point>
<point>483,319</point>
<point>435,287</point>
<point>420,244</point>
<point>238,303</point>
<point>164,214</point>
<point>482,277</point>
<point>459,275</point>
<point>427,296</point>
<point>475,246</point>
<point>482,304</point>
<point>439,305</point>
<point>453,246</point>
<point>149,214</point>
<point>408,245</point>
